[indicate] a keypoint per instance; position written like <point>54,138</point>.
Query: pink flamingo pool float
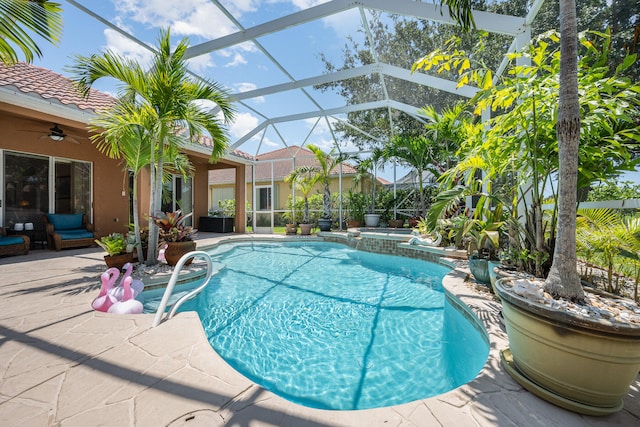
<point>105,300</point>
<point>136,285</point>
<point>121,298</point>
<point>128,304</point>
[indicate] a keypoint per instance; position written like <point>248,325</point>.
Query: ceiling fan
<point>57,134</point>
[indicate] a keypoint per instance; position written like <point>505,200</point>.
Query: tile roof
<point>282,166</point>
<point>30,79</point>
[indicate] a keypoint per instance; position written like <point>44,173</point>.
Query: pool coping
<point>64,364</point>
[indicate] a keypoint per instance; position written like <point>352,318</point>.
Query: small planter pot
<point>324,224</point>
<point>581,364</point>
<point>353,224</point>
<point>396,223</point>
<point>371,220</point>
<point>305,229</point>
<point>175,251</point>
<point>291,229</point>
<point>118,261</point>
<point>479,267</point>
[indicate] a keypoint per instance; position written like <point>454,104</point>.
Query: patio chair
<point>13,245</point>
<point>68,231</point>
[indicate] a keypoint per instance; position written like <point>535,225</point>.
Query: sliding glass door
<point>34,185</point>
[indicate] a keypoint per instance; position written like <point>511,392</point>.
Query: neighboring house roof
<point>384,181</point>
<point>34,81</point>
<point>282,166</point>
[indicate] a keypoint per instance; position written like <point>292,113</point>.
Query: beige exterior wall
<point>23,134</point>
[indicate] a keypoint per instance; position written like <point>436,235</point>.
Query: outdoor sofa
<point>68,231</point>
<point>13,245</point>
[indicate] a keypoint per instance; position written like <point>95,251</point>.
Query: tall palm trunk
<point>136,220</point>
<point>326,199</point>
<point>155,202</point>
<point>563,280</point>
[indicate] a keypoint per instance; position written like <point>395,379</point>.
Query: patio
<point>64,364</point>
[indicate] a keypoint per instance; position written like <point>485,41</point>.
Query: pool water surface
<point>330,327</point>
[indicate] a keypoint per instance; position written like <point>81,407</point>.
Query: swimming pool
<point>330,327</point>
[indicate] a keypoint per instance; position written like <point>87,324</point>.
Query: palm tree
<point>42,17</point>
<point>327,162</point>
<point>165,99</point>
<point>563,280</point>
<point>121,133</point>
<point>304,178</point>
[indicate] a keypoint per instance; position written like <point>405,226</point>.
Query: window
<point>30,189</point>
<point>26,187</point>
<point>264,198</point>
<point>178,194</point>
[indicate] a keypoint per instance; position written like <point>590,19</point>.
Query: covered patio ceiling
<point>288,95</point>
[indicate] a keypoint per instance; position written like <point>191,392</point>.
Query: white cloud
<point>236,61</point>
<point>116,42</point>
<point>244,123</point>
<point>191,18</point>
<point>269,143</point>
<point>247,87</point>
<point>200,63</point>
<point>241,6</point>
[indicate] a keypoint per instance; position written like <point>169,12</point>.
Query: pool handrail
<point>172,282</point>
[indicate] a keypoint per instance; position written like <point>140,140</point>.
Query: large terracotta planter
<point>581,364</point>
<point>175,250</point>
<point>118,261</point>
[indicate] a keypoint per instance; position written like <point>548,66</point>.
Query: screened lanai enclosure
<point>332,74</point>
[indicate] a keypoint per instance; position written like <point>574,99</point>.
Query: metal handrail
<point>172,283</point>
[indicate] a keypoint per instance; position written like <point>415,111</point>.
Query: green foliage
<point>113,244</point>
<point>172,228</point>
<point>19,18</point>
<point>397,40</point>
<point>611,190</point>
<point>310,206</point>
<point>520,145</point>
<point>606,238</point>
<point>155,101</point>
<point>356,205</point>
<point>228,207</point>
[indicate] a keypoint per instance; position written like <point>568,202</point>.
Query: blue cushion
<point>65,221</point>
<point>75,234</point>
<point>10,240</point>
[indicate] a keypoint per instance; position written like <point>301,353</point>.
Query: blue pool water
<point>329,327</point>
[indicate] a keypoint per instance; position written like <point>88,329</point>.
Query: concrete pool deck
<point>63,364</point>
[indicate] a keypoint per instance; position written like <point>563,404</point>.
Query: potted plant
<point>304,178</point>
<point>177,237</point>
<point>291,225</point>
<point>584,363</point>
<point>115,245</point>
<point>327,162</point>
<point>356,206</point>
